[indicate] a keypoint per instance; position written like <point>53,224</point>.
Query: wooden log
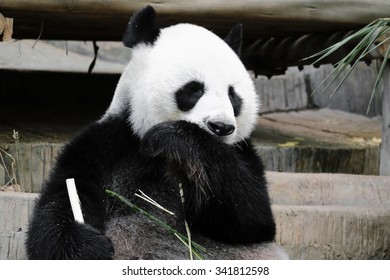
<point>329,189</point>
<point>331,216</point>
<point>385,145</point>
<point>282,93</point>
<point>333,232</point>
<point>102,20</point>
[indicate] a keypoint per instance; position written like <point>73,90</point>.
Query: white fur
<point>183,53</point>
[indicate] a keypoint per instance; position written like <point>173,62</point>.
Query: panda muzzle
<point>220,128</point>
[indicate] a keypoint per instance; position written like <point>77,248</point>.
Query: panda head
<point>185,72</point>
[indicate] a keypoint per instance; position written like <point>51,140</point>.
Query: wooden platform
<point>318,216</point>
<point>16,212</point>
<point>319,141</point>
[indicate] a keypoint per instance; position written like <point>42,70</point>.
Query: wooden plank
<point>36,161</point>
<point>385,146</point>
<point>352,96</point>
<point>105,20</point>
<point>329,189</point>
<point>16,210</point>
<point>282,93</point>
<point>333,232</point>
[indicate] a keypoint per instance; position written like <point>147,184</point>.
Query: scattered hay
<point>11,188</point>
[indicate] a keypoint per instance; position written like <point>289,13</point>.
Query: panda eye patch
<point>235,100</point>
<point>189,94</point>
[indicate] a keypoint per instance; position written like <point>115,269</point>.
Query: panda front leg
<point>53,233</point>
<point>225,190</point>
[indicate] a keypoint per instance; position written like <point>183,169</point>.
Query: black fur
<point>225,190</point>
<point>224,185</point>
<point>235,100</point>
<point>188,95</point>
<point>234,38</point>
<point>141,28</point>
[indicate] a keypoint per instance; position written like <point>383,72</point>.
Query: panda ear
<point>141,28</point>
<point>234,38</point>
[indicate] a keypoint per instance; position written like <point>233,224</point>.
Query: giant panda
<point>180,118</point>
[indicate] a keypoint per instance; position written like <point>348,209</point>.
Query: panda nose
<point>221,129</point>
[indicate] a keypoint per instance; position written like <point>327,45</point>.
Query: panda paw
<point>88,243</point>
<point>174,140</point>
<point>155,142</point>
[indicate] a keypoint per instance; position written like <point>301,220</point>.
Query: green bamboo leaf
<point>355,55</point>
<point>194,251</point>
<point>367,42</point>
<point>153,218</point>
<point>324,81</point>
<point>344,62</point>
<point>376,46</point>
<point>328,51</point>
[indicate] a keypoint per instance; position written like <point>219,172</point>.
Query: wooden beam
<point>385,145</point>
<point>105,20</point>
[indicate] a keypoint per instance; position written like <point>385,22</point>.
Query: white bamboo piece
<point>74,200</point>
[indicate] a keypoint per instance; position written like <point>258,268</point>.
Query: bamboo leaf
<point>344,62</point>
<point>376,46</point>
<point>370,34</point>
<point>368,41</point>
<point>193,250</point>
<point>328,51</point>
<point>153,218</point>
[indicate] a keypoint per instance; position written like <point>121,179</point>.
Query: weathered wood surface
<point>318,141</point>
<point>325,126</point>
<point>34,163</point>
<point>15,213</point>
<point>329,189</point>
<point>385,146</point>
<point>332,216</point>
<point>352,96</point>
<point>105,20</point>
<point>318,216</point>
<point>282,93</point>
<point>318,160</point>
<point>35,56</point>
<point>333,232</point>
